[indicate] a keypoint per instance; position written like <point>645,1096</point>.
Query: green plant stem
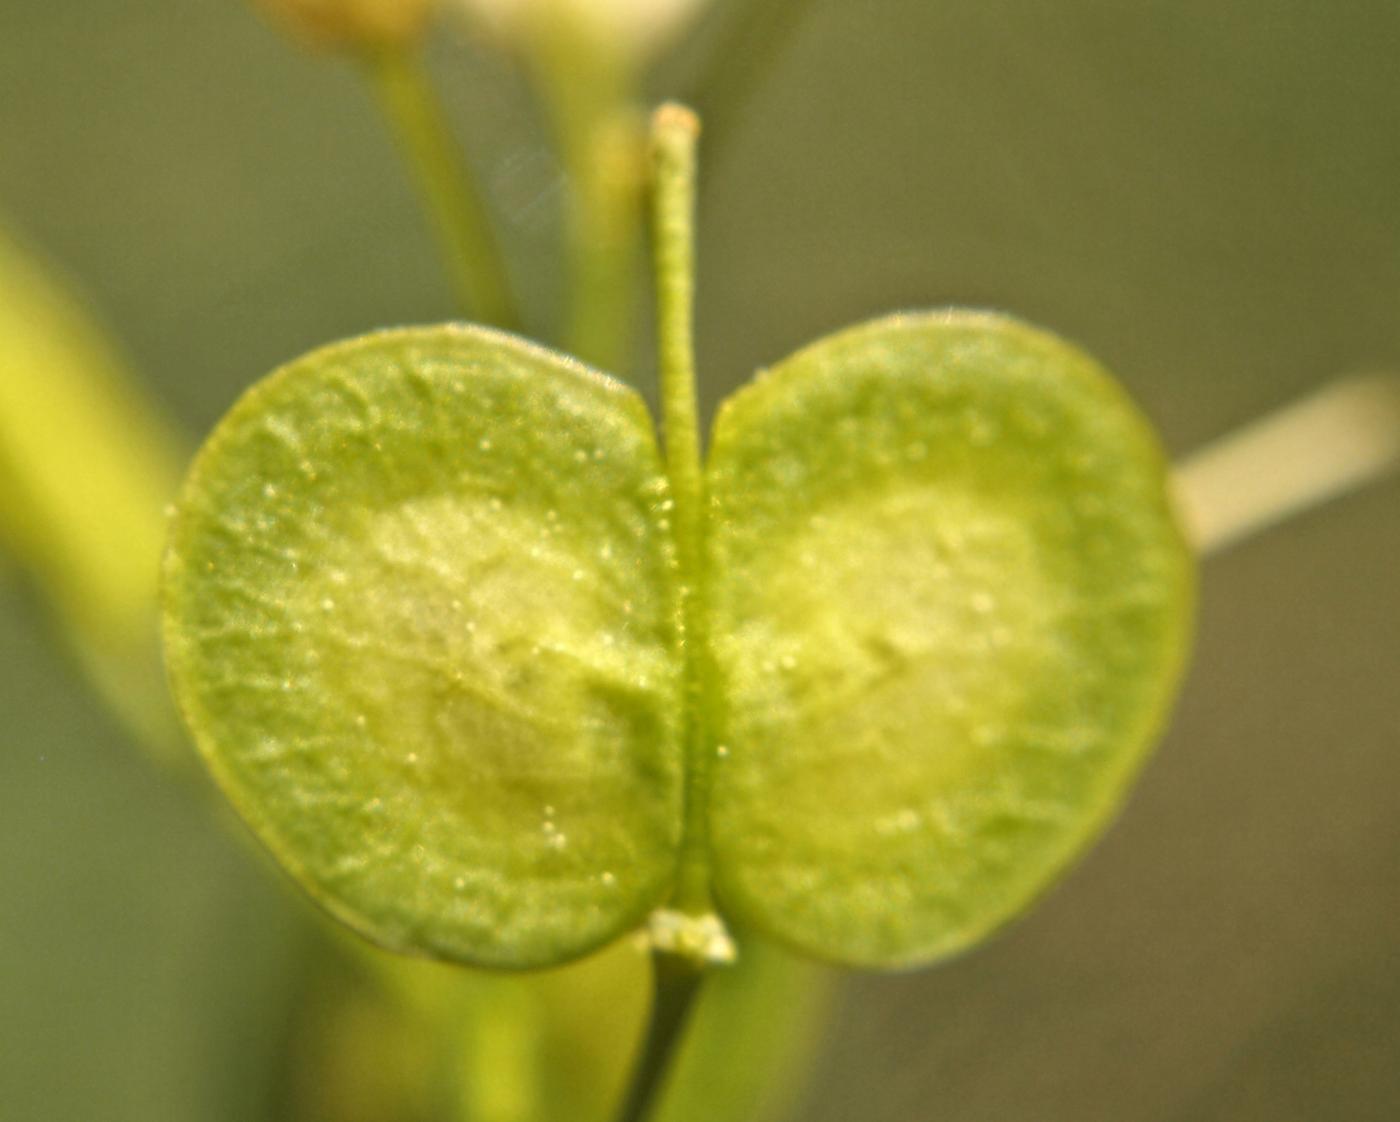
<point>449,193</point>
<point>603,231</point>
<point>675,135</point>
<point>677,985</point>
<point>589,93</point>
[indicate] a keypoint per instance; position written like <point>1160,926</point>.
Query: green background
<point>1205,195</point>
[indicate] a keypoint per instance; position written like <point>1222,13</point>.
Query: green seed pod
<point>950,608</point>
<point>423,604</point>
<point>419,617</point>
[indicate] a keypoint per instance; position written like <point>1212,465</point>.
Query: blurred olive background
<point>1204,194</point>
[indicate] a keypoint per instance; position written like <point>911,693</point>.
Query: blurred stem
<point>750,42</point>
<point>752,1040</point>
<point>604,239</point>
<point>449,192</point>
<point>589,92</point>
<point>677,983</point>
<point>1340,438</point>
<point>87,465</point>
<point>496,1051</point>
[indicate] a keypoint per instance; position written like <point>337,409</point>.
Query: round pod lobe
<point>950,608</point>
<point>421,621</point>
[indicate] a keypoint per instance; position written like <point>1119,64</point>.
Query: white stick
<point>1340,438</point>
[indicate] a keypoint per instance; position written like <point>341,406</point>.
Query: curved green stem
<point>449,194</point>
<point>677,984</point>
<point>675,135</point>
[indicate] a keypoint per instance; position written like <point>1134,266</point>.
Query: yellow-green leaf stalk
<point>86,470</point>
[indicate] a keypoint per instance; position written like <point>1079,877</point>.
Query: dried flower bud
<point>351,23</point>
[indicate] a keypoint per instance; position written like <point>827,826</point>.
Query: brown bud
<point>351,24</point>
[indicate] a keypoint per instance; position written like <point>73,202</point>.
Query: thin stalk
<point>677,984</point>
<point>493,1052</point>
<point>1340,438</point>
<point>603,223</point>
<point>449,193</point>
<point>675,135</point>
<point>589,93</point>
